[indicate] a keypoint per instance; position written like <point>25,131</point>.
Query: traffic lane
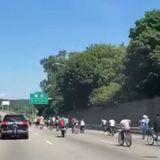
<point>48,145</point>
<point>17,149</point>
<point>38,147</point>
<point>42,145</point>
<point>81,147</point>
<point>139,146</point>
<point>137,138</point>
<point>12,150</point>
<point>110,145</point>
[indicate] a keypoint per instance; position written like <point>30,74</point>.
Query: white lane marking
<point>49,142</point>
<point>107,141</point>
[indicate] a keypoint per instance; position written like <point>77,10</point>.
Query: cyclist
<point>73,124</point>
<point>62,125</point>
<point>57,123</point>
<point>125,123</point>
<point>62,122</point>
<point>41,122</point>
<point>156,125</point>
<point>77,126</point>
<point>66,122</point>
<point>104,124</point>
<point>144,125</point>
<point>111,126</point>
<point>82,126</point>
<point>30,122</point>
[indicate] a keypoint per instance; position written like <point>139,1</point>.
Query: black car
<point>14,125</point>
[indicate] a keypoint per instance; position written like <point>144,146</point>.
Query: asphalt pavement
<point>93,145</point>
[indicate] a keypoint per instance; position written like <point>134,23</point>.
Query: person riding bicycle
<point>30,122</point>
<point>144,125</point>
<point>62,122</point>
<point>125,124</point>
<point>74,124</point>
<point>104,124</point>
<point>156,125</point>
<point>82,126</point>
<point>41,122</point>
<point>57,123</point>
<point>62,126</point>
<point>111,126</point>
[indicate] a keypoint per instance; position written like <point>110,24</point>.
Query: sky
<point>33,29</point>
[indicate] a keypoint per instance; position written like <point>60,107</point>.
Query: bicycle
<point>111,130</point>
<point>125,136</point>
<point>75,129</point>
<point>153,137</point>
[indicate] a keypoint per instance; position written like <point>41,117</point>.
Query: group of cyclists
<point>77,125</point>
<point>151,129</point>
<point>110,126</point>
<point>57,122</point>
<point>39,122</point>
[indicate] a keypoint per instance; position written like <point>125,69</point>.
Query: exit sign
<point>38,98</point>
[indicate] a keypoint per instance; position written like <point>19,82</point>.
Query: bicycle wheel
<point>112,132</point>
<point>120,140</point>
<point>76,130</point>
<point>158,140</point>
<point>128,139</point>
<point>150,139</point>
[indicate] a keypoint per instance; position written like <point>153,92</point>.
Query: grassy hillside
<point>19,105</point>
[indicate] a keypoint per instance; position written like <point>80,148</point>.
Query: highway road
<point>93,145</point>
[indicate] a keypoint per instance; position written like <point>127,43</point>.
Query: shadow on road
<point>59,137</point>
<point>118,145</point>
<point>150,157</point>
<point>12,138</point>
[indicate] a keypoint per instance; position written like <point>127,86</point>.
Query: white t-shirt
<point>104,122</point>
<point>82,123</point>
<point>125,123</point>
<point>112,123</point>
<point>53,119</point>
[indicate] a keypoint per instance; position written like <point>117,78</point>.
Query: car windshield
<point>13,118</point>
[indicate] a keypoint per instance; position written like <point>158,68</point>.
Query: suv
<point>14,125</point>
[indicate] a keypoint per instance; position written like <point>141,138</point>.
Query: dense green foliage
<point>142,67</point>
<point>75,80</point>
<point>104,72</point>
<point>105,94</point>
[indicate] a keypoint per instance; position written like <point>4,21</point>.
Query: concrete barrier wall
<point>134,111</point>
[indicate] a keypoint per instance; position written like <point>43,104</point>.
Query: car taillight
<point>4,123</point>
<point>25,123</point>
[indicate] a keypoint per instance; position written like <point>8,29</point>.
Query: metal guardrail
<point>98,127</point>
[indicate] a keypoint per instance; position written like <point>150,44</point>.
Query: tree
<point>104,94</point>
<point>71,81</point>
<point>142,67</point>
<point>53,83</point>
<point>98,66</point>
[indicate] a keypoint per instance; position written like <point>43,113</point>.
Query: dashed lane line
<point>109,142</point>
<point>48,142</point>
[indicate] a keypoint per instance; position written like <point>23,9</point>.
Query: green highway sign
<point>38,98</point>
